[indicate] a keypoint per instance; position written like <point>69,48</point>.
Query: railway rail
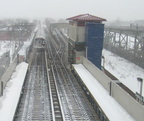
<point>39,100</point>
<point>50,92</point>
<point>74,102</point>
<point>34,104</point>
<point>54,94</point>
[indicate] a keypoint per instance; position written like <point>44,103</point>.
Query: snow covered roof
<point>86,17</point>
<point>40,33</point>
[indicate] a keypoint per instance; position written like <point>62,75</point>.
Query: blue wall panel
<point>94,42</point>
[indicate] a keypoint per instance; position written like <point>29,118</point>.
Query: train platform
<point>12,92</point>
<point>112,109</point>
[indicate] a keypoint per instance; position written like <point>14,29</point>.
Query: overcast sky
<point>108,9</point>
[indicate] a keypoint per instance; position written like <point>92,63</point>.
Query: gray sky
<point>108,9</point>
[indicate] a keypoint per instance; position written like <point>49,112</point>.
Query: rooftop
<point>86,17</point>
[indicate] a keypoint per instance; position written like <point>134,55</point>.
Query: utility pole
<point>139,79</point>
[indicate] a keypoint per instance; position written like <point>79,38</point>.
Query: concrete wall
<point>81,33</point>
<point>77,33</point>
<point>99,75</point>
<point>134,108</point>
<point>73,32</point>
<point>60,25</point>
<point>4,62</point>
<point>6,77</point>
<point>79,56</point>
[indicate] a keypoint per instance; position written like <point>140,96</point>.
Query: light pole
<point>103,59</point>
<point>139,79</point>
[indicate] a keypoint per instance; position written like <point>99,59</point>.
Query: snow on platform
<point>110,106</point>
<point>10,98</point>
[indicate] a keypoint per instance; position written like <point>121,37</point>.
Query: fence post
<point>1,88</point>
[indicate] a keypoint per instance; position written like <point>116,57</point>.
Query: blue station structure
<point>86,35</point>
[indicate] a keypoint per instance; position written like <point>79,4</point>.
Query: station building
<point>86,34</point>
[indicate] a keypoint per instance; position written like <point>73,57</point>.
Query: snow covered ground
<point>124,70</point>
<point>7,46</point>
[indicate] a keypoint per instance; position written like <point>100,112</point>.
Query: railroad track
<point>35,104</point>
<point>74,102</point>
<point>54,94</point>
<point>50,92</point>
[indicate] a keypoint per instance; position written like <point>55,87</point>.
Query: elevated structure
<point>86,38</point>
<point>126,41</point>
<point>109,97</point>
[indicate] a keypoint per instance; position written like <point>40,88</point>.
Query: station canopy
<point>87,18</point>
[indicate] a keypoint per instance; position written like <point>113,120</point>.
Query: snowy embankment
<point>9,45</point>
<point>124,70</point>
<point>6,45</point>
<point>27,44</point>
<point>10,98</point>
